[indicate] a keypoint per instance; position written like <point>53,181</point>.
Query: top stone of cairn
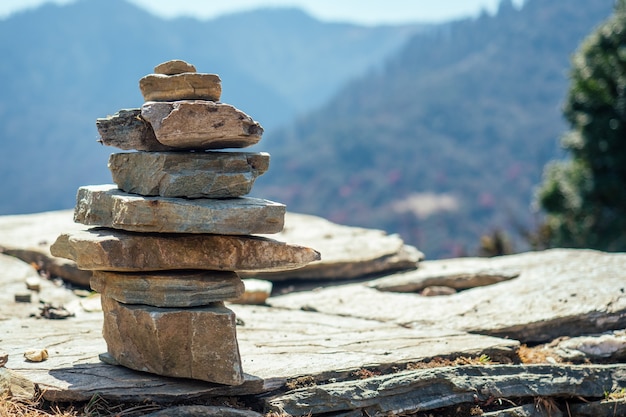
<point>173,67</point>
<point>178,80</point>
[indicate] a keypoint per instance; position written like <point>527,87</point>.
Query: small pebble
<point>36,355</point>
<point>23,297</point>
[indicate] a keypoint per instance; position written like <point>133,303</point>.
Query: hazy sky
<point>355,11</point>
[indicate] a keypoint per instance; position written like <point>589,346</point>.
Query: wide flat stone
<point>174,66</point>
<point>168,289</point>
<point>278,347</point>
<point>127,130</point>
<point>107,206</point>
<point>188,174</point>
<point>182,86</point>
<point>197,343</point>
<point>197,124</point>
<point>559,292</point>
<point>117,250</point>
<point>29,236</point>
<point>347,252</point>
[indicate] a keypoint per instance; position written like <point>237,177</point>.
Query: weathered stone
<point>197,343</point>
<point>173,289</point>
<point>203,411</point>
<point>559,292</point>
<point>4,357</point>
<point>127,130</point>
<point>461,273</point>
<point>36,355</point>
<point>196,124</point>
<point>188,174</point>
<point>29,236</point>
<point>182,86</point>
<point>15,386</point>
<point>536,409</point>
<point>610,346</point>
<point>437,290</point>
<point>116,250</point>
<point>347,252</point>
<point>174,66</point>
<point>257,291</point>
<point>428,389</point>
<point>605,408</point>
<point>107,206</point>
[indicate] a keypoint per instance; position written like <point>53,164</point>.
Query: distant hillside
<point>63,67</point>
<point>448,141</point>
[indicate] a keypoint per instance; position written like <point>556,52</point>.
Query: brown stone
<point>188,174</point>
<point>107,206</point>
<point>174,66</point>
<point>168,289</point>
<point>116,250</point>
<point>184,86</point>
<point>196,124</point>
<point>197,343</point>
<point>127,130</point>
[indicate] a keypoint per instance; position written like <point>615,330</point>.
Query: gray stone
<point>107,206</point>
<point>203,411</point>
<point>127,130</point>
<point>197,343</point>
<point>429,389</point>
<point>196,124</point>
<point>173,289</point>
<point>29,236</point>
<point>347,252</point>
<point>116,250</point>
<point>182,86</point>
<point>605,408</point>
<point>461,273</point>
<point>610,346</point>
<point>528,410</point>
<point>559,292</point>
<point>174,66</point>
<point>188,174</point>
<point>15,386</point>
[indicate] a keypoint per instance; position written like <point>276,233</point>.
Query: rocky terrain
<point>371,329</point>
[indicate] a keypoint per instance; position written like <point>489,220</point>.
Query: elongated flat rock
<point>197,124</point>
<point>174,66</point>
<point>197,343</point>
<point>188,174</point>
<point>127,130</point>
<point>107,206</point>
<point>347,252</point>
<point>181,86</point>
<point>117,250</point>
<point>428,389</point>
<point>168,289</point>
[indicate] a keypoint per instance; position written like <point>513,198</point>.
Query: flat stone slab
<point>174,66</point>
<point>196,343</point>
<point>168,289</point>
<point>118,250</point>
<point>277,347</point>
<point>197,124</point>
<point>428,389</point>
<point>558,292</point>
<point>107,206</point>
<point>188,174</point>
<point>347,252</point>
<point>29,236</point>
<point>127,130</point>
<point>181,86</point>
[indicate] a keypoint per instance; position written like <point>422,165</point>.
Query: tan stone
<point>174,66</point>
<point>197,343</point>
<point>188,174</point>
<point>196,124</point>
<point>184,86</point>
<point>168,289</point>
<point>116,250</point>
<point>127,130</point>
<point>107,206</point>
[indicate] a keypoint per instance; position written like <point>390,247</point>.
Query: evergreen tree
<point>585,197</point>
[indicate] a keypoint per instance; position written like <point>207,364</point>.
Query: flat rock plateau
<point>370,329</point>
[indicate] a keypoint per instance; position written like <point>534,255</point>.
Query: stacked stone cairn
<point>171,235</point>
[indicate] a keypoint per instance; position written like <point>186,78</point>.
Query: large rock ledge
<point>376,347</point>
